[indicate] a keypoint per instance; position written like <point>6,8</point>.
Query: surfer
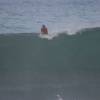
<point>44,29</point>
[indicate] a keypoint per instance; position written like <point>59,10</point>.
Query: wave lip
<point>51,36</point>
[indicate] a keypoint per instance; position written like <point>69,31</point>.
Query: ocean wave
<point>81,31</point>
<point>54,35</point>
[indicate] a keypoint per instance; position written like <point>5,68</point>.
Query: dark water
<point>32,68</point>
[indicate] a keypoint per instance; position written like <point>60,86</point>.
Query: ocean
<point>65,65</point>
<point>34,68</point>
<point>19,16</point>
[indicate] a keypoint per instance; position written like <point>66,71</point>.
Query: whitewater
<point>25,16</point>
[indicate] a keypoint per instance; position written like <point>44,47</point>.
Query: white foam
<point>52,35</point>
<point>49,36</point>
<point>59,97</point>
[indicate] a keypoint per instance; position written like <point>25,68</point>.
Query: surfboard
<point>45,36</point>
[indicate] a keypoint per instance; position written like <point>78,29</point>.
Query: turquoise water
<point>33,68</point>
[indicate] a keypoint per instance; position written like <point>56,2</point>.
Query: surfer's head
<point>43,26</point>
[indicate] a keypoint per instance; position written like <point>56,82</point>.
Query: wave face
<point>59,15</point>
<point>35,68</point>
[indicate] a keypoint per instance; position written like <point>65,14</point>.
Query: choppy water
<point>18,16</point>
